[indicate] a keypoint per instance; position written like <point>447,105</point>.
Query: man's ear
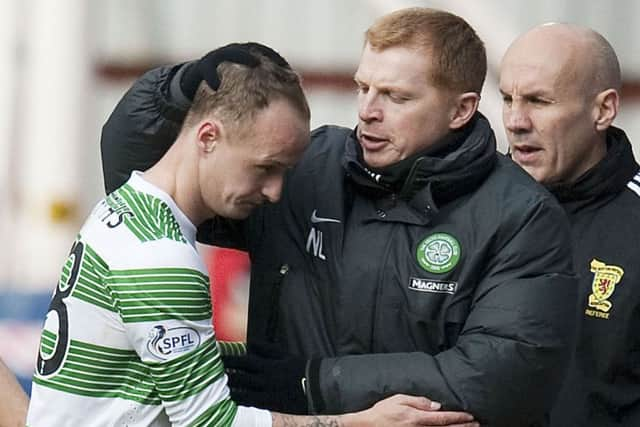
<point>606,108</point>
<point>209,133</point>
<point>465,107</point>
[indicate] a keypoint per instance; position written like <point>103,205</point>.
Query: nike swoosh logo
<point>316,219</point>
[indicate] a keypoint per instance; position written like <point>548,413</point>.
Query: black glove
<point>206,68</point>
<point>268,379</point>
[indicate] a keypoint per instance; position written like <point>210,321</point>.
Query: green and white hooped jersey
<point>128,339</point>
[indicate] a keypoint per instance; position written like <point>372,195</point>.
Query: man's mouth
<point>372,142</point>
<point>253,203</point>
<point>525,154</point>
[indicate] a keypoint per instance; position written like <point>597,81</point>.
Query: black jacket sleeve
<point>513,351</point>
<point>139,132</point>
<point>143,126</point>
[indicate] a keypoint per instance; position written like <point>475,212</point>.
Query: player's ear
<point>208,135</point>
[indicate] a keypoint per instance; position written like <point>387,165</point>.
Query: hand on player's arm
<point>399,410</point>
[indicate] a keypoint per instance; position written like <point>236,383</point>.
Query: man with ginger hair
<point>128,338</point>
<point>405,255</point>
<point>560,85</point>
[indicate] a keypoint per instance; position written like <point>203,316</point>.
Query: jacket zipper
<point>274,317</point>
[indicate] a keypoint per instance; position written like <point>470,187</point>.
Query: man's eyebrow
<point>527,94</point>
<point>387,87</point>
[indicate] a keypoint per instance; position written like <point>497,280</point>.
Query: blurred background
<point>66,63</point>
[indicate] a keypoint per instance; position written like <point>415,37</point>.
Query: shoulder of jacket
<point>322,158</point>
<point>330,132</point>
<point>623,206</point>
<point>632,190</point>
<point>327,140</point>
<point>516,190</point>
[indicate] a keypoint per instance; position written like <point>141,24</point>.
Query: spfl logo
<point>167,343</point>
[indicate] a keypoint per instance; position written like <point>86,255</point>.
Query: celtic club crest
<point>605,279</point>
<point>438,253</point>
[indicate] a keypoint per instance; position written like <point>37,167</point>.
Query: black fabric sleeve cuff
<point>175,90</point>
<point>314,395</point>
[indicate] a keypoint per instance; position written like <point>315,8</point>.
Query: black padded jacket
<point>603,385</point>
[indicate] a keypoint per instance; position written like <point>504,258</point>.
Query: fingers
<point>420,411</point>
<point>417,402</point>
<point>445,418</point>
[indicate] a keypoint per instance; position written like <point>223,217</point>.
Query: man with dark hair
<point>560,85</point>
<point>405,255</point>
<point>128,338</point>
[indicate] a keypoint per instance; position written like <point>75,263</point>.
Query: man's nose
<point>516,119</point>
<point>369,108</point>
<point>272,188</point>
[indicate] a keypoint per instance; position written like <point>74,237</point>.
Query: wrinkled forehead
<point>543,63</point>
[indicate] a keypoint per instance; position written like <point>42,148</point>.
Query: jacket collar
<point>603,181</point>
<point>434,177</point>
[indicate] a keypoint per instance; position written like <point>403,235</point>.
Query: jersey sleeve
<point>167,316</point>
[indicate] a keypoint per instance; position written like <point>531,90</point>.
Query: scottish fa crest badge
<point>605,279</point>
